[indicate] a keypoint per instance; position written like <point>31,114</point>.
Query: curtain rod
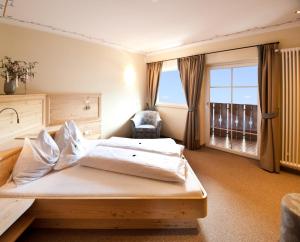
<point>218,51</point>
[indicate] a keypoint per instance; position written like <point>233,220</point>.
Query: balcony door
<point>233,109</point>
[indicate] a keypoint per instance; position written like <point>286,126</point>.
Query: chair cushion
<point>145,127</point>
<point>146,133</point>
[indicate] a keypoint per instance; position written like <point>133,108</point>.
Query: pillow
<point>69,129</point>
<point>62,137</point>
<point>74,131</point>
<point>46,147</point>
<point>70,154</point>
<point>36,159</point>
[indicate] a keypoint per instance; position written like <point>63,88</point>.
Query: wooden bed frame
<point>108,212</point>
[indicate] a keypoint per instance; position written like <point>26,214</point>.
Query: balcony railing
<point>238,121</point>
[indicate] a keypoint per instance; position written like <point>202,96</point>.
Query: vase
<point>10,87</point>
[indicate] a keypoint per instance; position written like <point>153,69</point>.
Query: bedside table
<point>13,221</point>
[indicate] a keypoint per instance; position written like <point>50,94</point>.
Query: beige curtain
<point>269,81</point>
<point>191,73</point>
<point>153,73</point>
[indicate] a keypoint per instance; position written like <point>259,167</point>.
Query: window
<point>234,109</point>
<point>170,90</point>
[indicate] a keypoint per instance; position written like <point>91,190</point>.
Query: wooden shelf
<point>12,223</point>
<point>17,229</point>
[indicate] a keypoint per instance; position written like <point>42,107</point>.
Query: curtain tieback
<point>191,109</point>
<point>269,115</point>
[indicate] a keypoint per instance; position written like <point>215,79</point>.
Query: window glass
<point>247,95</point>
<point>220,95</point>
<point>238,85</point>
<point>170,89</point>
<point>220,77</point>
<point>245,76</point>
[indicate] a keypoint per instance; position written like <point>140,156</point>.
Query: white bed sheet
<point>164,146</point>
<point>87,182</point>
<point>136,163</point>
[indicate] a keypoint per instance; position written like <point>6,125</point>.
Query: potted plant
<point>14,72</point>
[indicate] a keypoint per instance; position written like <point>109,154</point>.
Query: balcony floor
<point>238,145</point>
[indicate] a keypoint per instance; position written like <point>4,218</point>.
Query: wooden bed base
<point>108,212</point>
<point>115,224</point>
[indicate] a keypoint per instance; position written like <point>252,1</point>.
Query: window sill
<point>171,105</point>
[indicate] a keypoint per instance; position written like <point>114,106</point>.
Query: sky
<point>170,88</point>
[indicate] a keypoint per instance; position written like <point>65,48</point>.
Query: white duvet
<point>164,146</point>
<point>136,162</point>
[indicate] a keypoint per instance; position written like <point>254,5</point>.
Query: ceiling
<point>148,26</point>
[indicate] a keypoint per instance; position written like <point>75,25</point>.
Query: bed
<point>83,197</point>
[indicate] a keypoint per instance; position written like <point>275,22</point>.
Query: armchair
<point>146,124</point>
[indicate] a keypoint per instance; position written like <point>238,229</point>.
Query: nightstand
<point>13,218</point>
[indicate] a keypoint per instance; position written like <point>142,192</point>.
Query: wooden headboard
<point>84,109</point>
<point>37,111</point>
<point>31,111</point>
<point>8,159</point>
<point>78,107</point>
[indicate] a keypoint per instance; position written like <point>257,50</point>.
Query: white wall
<point>174,119</point>
<point>67,65</point>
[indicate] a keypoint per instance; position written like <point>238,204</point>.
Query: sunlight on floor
<point>239,145</point>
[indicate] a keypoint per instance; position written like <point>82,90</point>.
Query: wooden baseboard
<point>115,224</point>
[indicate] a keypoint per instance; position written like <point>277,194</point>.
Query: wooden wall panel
<point>89,129</point>
<point>37,111</point>
<point>61,107</point>
<point>31,110</point>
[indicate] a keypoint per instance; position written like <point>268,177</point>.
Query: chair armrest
<point>136,121</point>
<point>158,127</point>
<point>157,121</point>
<point>158,124</point>
<point>132,123</point>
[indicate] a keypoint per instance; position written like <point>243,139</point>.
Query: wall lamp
<point>87,105</point>
<point>18,120</point>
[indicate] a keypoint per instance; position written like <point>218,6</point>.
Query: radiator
<point>291,108</point>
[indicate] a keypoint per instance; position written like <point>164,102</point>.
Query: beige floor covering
<point>243,205</point>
